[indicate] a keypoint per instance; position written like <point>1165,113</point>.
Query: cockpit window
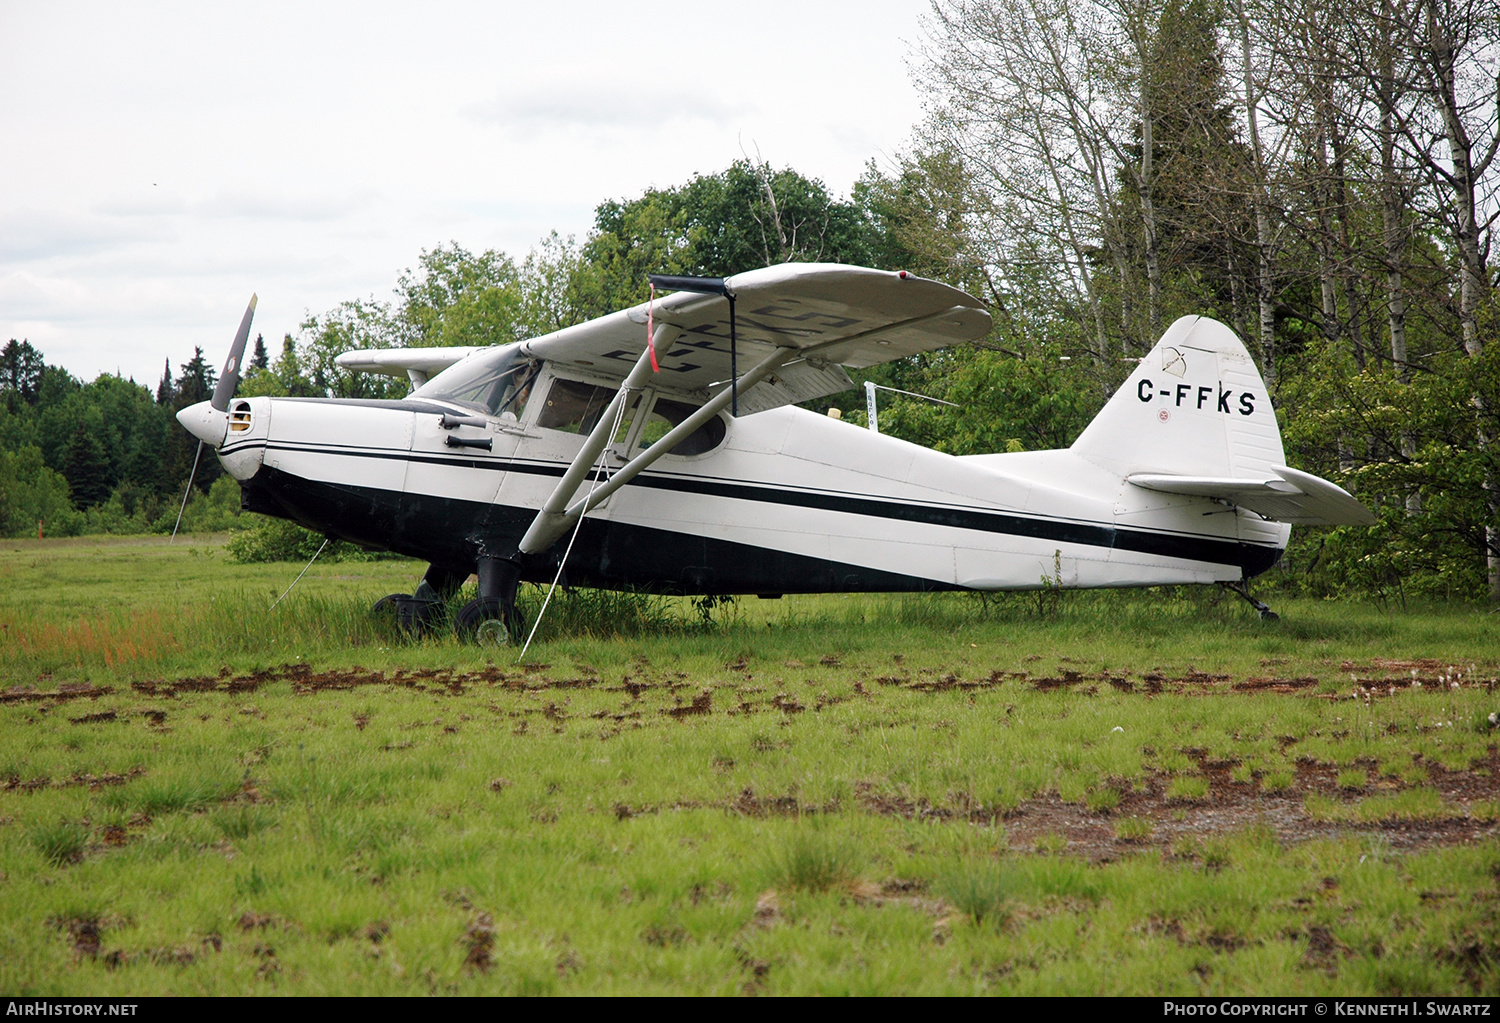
<point>494,382</point>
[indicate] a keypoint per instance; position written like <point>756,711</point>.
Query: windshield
<point>493,381</point>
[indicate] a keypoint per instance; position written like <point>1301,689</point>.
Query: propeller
<point>229,379</point>
<point>209,421</point>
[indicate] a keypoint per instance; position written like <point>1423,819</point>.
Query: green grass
<point>1188,787</point>
<point>61,842</point>
<point>1413,804</point>
<point>980,891</point>
<point>817,795</point>
<point>1134,829</point>
<point>813,860</point>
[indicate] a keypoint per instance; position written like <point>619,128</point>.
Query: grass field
<point>1136,793</point>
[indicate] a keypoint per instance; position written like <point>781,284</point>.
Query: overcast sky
<point>161,162</point>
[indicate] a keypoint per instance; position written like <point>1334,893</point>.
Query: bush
<point>214,512</point>
<point>280,540</point>
<point>29,491</point>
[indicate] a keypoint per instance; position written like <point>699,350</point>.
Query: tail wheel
<point>489,621</point>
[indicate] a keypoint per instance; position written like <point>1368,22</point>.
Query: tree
<point>30,492</point>
<point>715,225</point>
<point>196,383</point>
<point>287,377</point>
<point>166,391</point>
<point>456,297</point>
<point>21,370</point>
<point>87,468</point>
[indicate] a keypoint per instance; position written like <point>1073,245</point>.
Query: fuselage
<point>783,501</point>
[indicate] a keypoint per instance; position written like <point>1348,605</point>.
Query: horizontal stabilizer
<point>1290,495</point>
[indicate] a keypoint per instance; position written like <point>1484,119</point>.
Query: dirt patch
<point>93,781</point>
<point>86,936</point>
<point>702,704</point>
<point>479,939</point>
<point>748,804</point>
<point>253,921</point>
<point>1379,678</point>
<point>1163,821</point>
<point>64,692</point>
<point>1258,684</point>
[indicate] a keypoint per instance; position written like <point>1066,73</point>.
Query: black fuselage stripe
<point>1161,544</point>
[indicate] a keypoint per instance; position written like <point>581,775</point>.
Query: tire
<point>421,616</point>
<point>472,623</point>
<point>415,616</point>
<point>390,604</point>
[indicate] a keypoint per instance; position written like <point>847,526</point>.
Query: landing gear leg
<point>1242,589</point>
<point>492,616</point>
<point>440,582</point>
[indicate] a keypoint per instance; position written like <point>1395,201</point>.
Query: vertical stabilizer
<point>1195,406</point>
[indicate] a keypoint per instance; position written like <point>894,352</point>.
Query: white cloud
<point>36,236</point>
<point>164,160</point>
<point>603,106</point>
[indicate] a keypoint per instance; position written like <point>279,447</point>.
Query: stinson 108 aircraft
<point>660,447</point>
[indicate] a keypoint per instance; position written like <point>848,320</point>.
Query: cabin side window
<point>666,414</point>
<point>575,407</point>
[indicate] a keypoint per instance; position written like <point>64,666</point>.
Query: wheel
<point>416,616</point>
<point>420,615</point>
<point>390,604</point>
<point>492,632</point>
<point>487,620</point>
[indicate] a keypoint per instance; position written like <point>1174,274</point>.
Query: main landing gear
<point>1242,589</point>
<point>491,617</point>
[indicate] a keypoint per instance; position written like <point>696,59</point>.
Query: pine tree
<point>21,370</point>
<point>166,391</point>
<point>87,469</point>
<point>197,381</point>
<point>260,359</point>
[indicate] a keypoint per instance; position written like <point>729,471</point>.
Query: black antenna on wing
<point>710,286</point>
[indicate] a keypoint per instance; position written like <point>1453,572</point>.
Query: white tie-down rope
<point>191,476</point>
<point>300,575</point>
<point>598,471</point>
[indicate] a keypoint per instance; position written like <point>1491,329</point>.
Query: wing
<point>840,316</point>
<point>416,363</point>
<point>1296,497</point>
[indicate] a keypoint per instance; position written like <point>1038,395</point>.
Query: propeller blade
<point>229,379</point>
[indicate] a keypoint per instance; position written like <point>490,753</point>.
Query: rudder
<point>1195,405</point>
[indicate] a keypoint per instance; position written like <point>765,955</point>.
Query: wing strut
<point>549,525</point>
<point>551,521</point>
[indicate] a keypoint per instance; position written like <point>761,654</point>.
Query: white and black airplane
<point>684,465</point>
